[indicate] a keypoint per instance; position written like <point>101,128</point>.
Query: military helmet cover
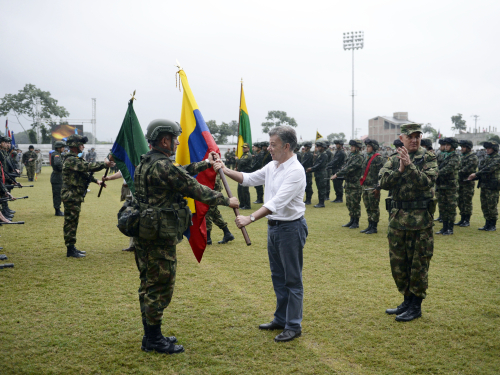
<point>373,143</point>
<point>31,146</point>
<point>264,144</point>
<point>491,144</point>
<point>76,140</point>
<point>410,128</point>
<point>159,126</point>
<point>465,143</point>
<point>338,141</point>
<point>307,144</point>
<point>356,142</point>
<point>322,142</point>
<point>441,141</point>
<point>426,142</point>
<point>59,144</point>
<point>452,141</point>
<point>6,139</point>
<point>398,143</point>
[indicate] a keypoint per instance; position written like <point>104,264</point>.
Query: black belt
<point>277,222</point>
<point>410,205</point>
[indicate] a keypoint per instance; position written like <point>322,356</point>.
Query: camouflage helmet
<point>356,142</point>
<point>441,141</point>
<point>338,141</point>
<point>76,140</point>
<point>491,144</point>
<point>159,126</point>
<point>307,144</point>
<point>6,139</point>
<point>264,144</point>
<point>257,144</point>
<point>465,143</point>
<point>452,141</point>
<point>398,143</point>
<point>426,142</point>
<point>322,142</point>
<point>59,144</point>
<point>373,143</point>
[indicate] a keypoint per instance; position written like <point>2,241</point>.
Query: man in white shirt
<point>285,183</point>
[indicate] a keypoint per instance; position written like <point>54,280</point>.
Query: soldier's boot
<point>373,229</point>
<point>492,227</point>
<point>462,220</point>
<point>486,225</point>
<point>349,223</point>
<point>466,222</point>
<point>155,341</point>
<point>3,257</point>
<point>258,201</point>
<point>59,212</point>
<point>209,240</point>
<point>72,252</point>
<point>80,251</point>
<point>444,228</point>
<point>401,308</point>
<point>449,228</point>
<point>413,312</point>
<point>338,200</point>
<point>172,339</point>
<point>321,204</point>
<point>228,236</point>
<point>439,219</point>
<point>368,228</point>
<point>308,200</point>
<point>355,223</point>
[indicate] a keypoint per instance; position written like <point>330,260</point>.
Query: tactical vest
<point>491,180</point>
<point>172,219</point>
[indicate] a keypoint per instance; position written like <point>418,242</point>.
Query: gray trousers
<point>285,244</point>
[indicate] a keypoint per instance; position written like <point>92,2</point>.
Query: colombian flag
<point>195,144</point>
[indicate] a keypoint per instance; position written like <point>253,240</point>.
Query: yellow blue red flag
<point>195,145</point>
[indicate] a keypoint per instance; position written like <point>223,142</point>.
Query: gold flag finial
<point>133,96</point>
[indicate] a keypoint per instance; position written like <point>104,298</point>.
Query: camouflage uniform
<point>30,165</point>
<point>76,177</point>
<point>468,165</point>
<point>213,215</point>
<point>411,241</point>
<point>370,198</point>
<point>336,164</point>
<point>329,153</point>
<point>320,175</point>
<point>56,179</point>
<point>156,260</point>
<point>351,172</point>
<point>244,165</point>
<point>489,183</point>
<point>447,186</point>
<point>307,162</point>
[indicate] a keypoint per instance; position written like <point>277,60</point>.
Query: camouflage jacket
<point>338,161</point>
<point>372,176</point>
<point>448,172</point>
<point>30,155</point>
<point>414,184</point>
<point>352,170</point>
<point>329,153</point>
<point>218,183</point>
<point>7,168</point>
<point>307,160</point>
<point>468,165</point>
<point>257,161</point>
<point>245,163</point>
<point>227,156</point>
<point>76,176</point>
<point>320,163</point>
<point>267,158</point>
<point>489,172</point>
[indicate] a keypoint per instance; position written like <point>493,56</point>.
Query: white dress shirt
<point>284,188</point>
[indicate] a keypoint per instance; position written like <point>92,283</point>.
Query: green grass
<point>81,316</point>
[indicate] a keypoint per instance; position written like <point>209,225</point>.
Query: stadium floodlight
<point>353,40</point>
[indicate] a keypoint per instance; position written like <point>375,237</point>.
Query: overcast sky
<point>432,59</point>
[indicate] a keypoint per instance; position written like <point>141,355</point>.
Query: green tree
<point>234,126</point>
<point>277,118</point>
<point>334,136</point>
<point>24,103</point>
<point>428,129</point>
<point>459,122</point>
<point>219,132</point>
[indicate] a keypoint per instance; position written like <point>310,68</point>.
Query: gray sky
<point>432,59</point>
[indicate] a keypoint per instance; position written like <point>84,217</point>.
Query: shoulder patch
<point>56,156</point>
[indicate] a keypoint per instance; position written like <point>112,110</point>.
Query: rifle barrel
<point>6,265</point>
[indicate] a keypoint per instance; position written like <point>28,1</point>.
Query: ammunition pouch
<point>128,219</point>
<point>388,202</point>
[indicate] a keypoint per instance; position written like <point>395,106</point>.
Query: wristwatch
<point>252,219</point>
<point>207,161</point>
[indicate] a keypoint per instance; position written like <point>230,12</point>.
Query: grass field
<point>81,316</point>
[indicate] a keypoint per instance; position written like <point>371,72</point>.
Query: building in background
<point>386,129</point>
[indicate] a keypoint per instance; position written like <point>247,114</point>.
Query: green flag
<point>244,132</point>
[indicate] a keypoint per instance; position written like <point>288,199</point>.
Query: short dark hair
<point>286,134</point>
<point>158,139</point>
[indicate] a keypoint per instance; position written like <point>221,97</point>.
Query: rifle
<point>7,265</point>
<point>11,199</point>
<point>87,184</point>
<point>18,186</point>
<point>12,222</point>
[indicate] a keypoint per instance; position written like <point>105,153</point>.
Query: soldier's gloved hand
<point>234,202</point>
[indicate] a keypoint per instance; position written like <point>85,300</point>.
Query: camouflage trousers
<point>353,199</point>
<point>372,205</point>
<point>321,182</point>
<point>244,196</point>
<point>157,265</point>
<point>214,216</point>
<point>447,200</point>
<point>260,192</point>
<point>339,188</point>
<point>309,186</point>
<point>489,203</point>
<point>465,195</point>
<point>30,171</point>
<point>410,252</point>
<point>71,215</point>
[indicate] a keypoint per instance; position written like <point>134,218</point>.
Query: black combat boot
<point>449,228</point>
<point>462,220</point>
<point>3,257</point>
<point>439,219</point>
<point>492,227</point>
<point>373,229</point>
<point>321,204</point>
<point>444,228</point>
<point>59,212</point>
<point>338,200</point>
<point>228,236</point>
<point>73,252</point>
<point>349,223</point>
<point>401,308</point>
<point>171,339</point>
<point>355,223</point>
<point>308,200</point>
<point>155,341</point>
<point>209,240</point>
<point>368,228</point>
<point>413,312</point>
<point>466,222</point>
<point>486,225</point>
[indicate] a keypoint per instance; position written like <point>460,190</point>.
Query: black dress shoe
<point>287,335</point>
<point>271,326</point>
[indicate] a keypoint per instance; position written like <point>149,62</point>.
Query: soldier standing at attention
<point>307,162</point>
<point>329,153</point>
<point>410,175</point>
<point>351,172</point>
<point>336,164</point>
<point>489,182</point>
<point>56,177</point>
<point>447,185</point>
<point>39,161</point>
<point>19,159</point>
<point>267,155</point>
<point>319,169</point>
<point>227,156</point>
<point>244,165</point>
<point>76,179</point>
<point>214,216</point>
<point>29,160</point>
<point>160,186</point>
<point>258,156</point>
<point>233,158</point>
<point>468,165</point>
<point>369,182</point>
<point>440,158</point>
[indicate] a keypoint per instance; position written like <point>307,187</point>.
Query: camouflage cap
<point>452,141</point>
<point>373,143</point>
<point>76,140</point>
<point>307,144</point>
<point>491,144</point>
<point>356,142</point>
<point>245,145</point>
<point>465,143</point>
<point>426,142</point>
<point>410,128</point>
<point>338,141</point>
<point>398,143</point>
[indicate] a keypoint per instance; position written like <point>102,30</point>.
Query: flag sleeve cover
<point>195,145</point>
<point>129,145</point>
<point>244,131</point>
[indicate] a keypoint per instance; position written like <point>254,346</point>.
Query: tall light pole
<point>353,40</point>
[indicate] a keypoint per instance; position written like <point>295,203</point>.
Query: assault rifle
<point>7,265</point>
<point>12,222</point>
<point>19,186</point>
<point>11,199</point>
